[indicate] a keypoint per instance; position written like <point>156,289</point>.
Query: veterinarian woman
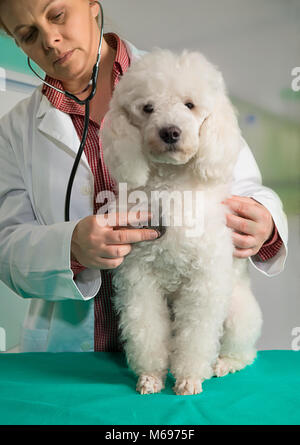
<point>65,266</point>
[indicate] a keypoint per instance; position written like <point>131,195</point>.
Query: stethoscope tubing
<point>77,160</point>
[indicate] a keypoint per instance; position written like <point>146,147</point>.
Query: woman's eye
<point>190,105</point>
<point>148,108</point>
<point>58,16</point>
<point>28,37</point>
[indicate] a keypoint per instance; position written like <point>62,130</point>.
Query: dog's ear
<point>219,142</point>
<point>122,149</point>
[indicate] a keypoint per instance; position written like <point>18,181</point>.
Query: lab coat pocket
<point>34,340</point>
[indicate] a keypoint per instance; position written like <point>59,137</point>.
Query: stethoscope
<point>85,102</point>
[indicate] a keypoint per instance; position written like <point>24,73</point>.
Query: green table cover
<point>97,388</point>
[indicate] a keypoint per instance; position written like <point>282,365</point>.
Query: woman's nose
<point>50,37</point>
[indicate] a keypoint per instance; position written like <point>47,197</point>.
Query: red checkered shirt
<point>106,323</point>
<point>271,247</point>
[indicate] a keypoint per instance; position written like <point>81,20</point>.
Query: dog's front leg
<point>199,311</point>
<point>144,325</point>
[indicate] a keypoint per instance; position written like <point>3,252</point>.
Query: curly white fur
<point>215,318</point>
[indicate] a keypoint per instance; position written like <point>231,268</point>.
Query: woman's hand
<point>104,247</point>
<point>252,225</point>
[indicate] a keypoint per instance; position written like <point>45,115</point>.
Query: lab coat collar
<point>58,125</point>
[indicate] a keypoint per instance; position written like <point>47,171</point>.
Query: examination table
<point>97,388</point>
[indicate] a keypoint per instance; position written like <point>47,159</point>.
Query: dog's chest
<point>184,248</point>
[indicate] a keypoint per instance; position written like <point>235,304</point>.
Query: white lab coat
<point>38,145</point>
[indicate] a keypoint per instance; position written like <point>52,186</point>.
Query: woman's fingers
<point>252,224</point>
<point>109,263</point>
<point>242,225</point>
<point>97,244</point>
<point>123,219</point>
<point>243,241</point>
<point>128,236</point>
<point>245,207</point>
<point>116,251</point>
<point>243,253</point>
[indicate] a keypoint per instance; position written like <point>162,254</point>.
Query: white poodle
<point>185,304</point>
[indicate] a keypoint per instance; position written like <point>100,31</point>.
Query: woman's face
<point>46,30</point>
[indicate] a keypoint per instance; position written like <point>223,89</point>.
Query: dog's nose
<point>170,135</point>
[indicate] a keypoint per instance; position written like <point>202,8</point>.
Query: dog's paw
<point>186,387</point>
<point>226,365</point>
<point>149,384</point>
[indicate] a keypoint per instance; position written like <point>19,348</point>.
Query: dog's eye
<point>190,105</point>
<point>148,108</point>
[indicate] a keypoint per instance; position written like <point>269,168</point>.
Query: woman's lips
<point>65,57</point>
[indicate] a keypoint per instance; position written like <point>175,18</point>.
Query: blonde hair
<point>3,29</point>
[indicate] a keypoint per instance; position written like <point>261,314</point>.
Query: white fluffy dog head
<point>170,109</point>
